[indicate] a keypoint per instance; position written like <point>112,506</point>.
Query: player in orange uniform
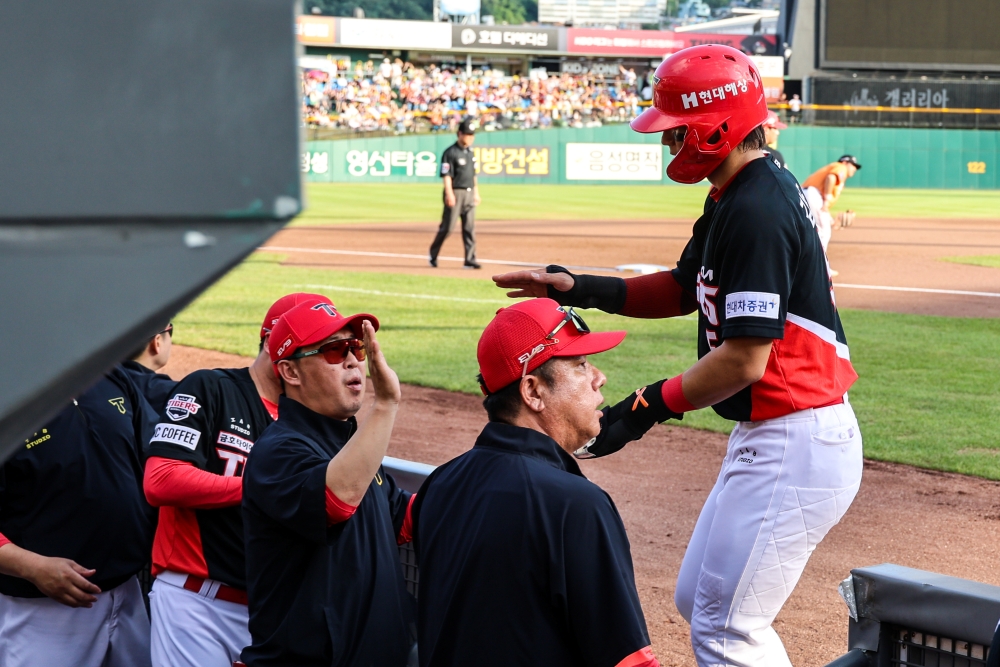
<point>823,188</point>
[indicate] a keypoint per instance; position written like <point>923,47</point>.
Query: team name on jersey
<point>182,406</point>
<point>176,435</point>
<point>234,441</point>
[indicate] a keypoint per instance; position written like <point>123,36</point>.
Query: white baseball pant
<point>824,221</point>
<point>193,630</point>
<point>40,631</point>
<point>784,483</point>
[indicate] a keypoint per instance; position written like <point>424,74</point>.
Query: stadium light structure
<point>145,149</point>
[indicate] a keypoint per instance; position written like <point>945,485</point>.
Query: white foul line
<point>364,253</point>
<point>398,255</point>
<point>924,290</point>
<point>434,297</point>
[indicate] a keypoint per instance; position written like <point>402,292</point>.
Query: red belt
<point>225,593</point>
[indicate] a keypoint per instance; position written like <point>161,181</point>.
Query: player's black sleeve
<point>758,260</point>
<point>594,582</point>
<point>186,428</point>
<point>144,418</point>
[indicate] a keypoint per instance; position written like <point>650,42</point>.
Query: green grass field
<point>929,393</point>
<point>992,261</point>
<point>338,203</point>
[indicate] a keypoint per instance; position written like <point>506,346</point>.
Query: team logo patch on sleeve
<point>176,435</point>
<point>182,406</point>
<point>753,304</point>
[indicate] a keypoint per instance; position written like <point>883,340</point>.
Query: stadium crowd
<point>402,97</point>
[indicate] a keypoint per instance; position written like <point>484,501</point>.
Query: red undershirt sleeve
<point>181,484</point>
<point>337,511</point>
<point>406,530</point>
<point>642,658</point>
<point>656,296</point>
<point>5,541</point>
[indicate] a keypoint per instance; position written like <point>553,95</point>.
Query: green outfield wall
<point>891,157</point>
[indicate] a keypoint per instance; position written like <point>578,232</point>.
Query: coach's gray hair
<point>504,404</point>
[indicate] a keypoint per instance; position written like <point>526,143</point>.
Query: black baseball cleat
<point>473,265</point>
<point>432,261</point>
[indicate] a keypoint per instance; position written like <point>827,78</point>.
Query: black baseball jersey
<point>756,267</point>
<point>460,164</point>
<point>212,421</point>
<point>522,560</point>
<point>321,595</point>
<point>777,156</point>
<point>73,489</point>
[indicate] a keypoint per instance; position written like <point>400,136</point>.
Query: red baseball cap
<point>286,303</point>
<point>309,323</point>
<point>774,121</point>
<point>523,334</point>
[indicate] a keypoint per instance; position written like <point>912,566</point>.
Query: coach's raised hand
<point>384,379</point>
<point>533,283</point>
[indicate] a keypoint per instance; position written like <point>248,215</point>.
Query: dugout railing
<point>409,475</point>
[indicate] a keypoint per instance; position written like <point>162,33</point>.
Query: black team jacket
<point>523,561</point>
<point>319,594</point>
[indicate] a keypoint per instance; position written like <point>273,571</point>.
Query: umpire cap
<point>468,126</point>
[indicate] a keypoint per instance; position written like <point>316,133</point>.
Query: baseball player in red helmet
<point>772,357</point>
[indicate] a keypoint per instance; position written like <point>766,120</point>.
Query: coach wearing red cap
<point>322,519</point>
<point>772,129</point>
<point>197,454</point>
<point>522,560</point>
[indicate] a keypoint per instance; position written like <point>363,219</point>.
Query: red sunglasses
<point>335,352</point>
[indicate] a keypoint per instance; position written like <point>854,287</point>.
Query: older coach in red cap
<point>322,519</point>
<point>522,560</point>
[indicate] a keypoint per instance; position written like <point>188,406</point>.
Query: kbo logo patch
<point>182,406</point>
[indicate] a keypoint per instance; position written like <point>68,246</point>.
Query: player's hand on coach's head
<point>384,379</point>
<point>64,581</point>
<point>533,283</point>
<point>629,420</point>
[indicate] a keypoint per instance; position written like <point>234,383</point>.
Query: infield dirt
<point>929,520</point>
<point>872,252</point>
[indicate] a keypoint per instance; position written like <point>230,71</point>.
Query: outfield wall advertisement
<point>609,154</point>
<point>892,158</point>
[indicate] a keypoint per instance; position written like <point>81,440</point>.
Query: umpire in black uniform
<point>461,194</point>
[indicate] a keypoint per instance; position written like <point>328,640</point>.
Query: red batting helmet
<point>716,93</point>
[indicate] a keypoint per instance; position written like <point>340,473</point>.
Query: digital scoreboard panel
<point>957,35</point>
